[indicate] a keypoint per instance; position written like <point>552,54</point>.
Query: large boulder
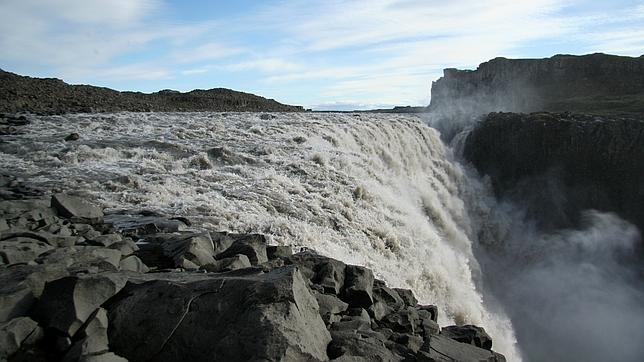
<point>468,334</point>
<point>76,208</point>
<point>67,303</point>
<point>238,317</point>
<point>358,286</point>
<point>188,250</point>
<point>360,346</point>
<point>21,285</point>
<point>251,245</point>
<point>443,349</point>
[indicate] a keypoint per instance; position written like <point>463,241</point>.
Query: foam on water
<point>376,190</point>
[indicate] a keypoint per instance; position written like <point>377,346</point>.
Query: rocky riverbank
<point>53,96</point>
<point>79,285</point>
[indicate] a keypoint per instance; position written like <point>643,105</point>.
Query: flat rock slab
<point>231,316</point>
<point>21,250</point>
<point>440,348</point>
<point>76,208</point>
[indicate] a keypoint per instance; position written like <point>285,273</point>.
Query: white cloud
<point>208,51</point>
<point>267,65</point>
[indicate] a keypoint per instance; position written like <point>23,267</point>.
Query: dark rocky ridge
<point>558,164</point>
<point>597,83</point>
<point>74,286</point>
<point>53,96</point>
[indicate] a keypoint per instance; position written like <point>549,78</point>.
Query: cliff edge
<point>596,83</point>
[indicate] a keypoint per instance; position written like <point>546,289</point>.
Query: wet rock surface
<point>150,288</point>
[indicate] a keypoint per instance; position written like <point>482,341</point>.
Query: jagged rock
<point>270,316</point>
<point>18,332</point>
<point>360,345</point>
<point>353,319</point>
<point>104,357</point>
<point>358,286</point>
<point>239,261</point>
<point>404,321</point>
<point>188,250</point>
<point>330,275</point>
<point>76,208</point>
<point>428,316</point>
<point>126,247</point>
<point>379,310</point>
<point>105,240</point>
<point>432,310</point>
<point>468,334</point>
<point>20,285</point>
<point>278,251</point>
<point>133,263</point>
<point>222,240</point>
<point>66,303</point>
<point>251,245</point>
<point>329,305</point>
<point>85,230</point>
<point>78,257</point>
<point>3,225</point>
<point>91,339</point>
<point>139,225</point>
<point>307,261</point>
<point>35,209</point>
<point>407,296</point>
<point>386,301</point>
<point>65,241</point>
<point>411,342</point>
<point>21,250</point>
<point>442,349</point>
<point>72,137</point>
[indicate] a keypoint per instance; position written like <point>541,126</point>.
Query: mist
<point>572,293</point>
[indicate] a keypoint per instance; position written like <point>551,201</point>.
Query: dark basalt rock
<point>270,316</point>
<point>77,209</point>
<point>537,159</point>
<point>358,286</point>
<point>468,334</point>
<point>90,296</point>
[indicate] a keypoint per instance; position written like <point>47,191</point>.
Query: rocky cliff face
<point>589,83</point>
<point>558,164</point>
<point>53,96</point>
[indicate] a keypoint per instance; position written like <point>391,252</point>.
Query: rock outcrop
<point>597,83</point>
<point>557,164</point>
<point>53,96</point>
<point>183,293</point>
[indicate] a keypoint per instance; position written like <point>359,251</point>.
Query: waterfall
<point>376,190</point>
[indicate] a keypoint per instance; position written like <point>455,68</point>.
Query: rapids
<point>376,190</point>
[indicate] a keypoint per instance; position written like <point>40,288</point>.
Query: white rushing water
<point>375,190</point>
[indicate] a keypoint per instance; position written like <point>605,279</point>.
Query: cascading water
<point>376,190</point>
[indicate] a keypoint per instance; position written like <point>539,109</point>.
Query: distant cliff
<point>597,83</point>
<point>53,96</point>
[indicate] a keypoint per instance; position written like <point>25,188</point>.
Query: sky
<point>324,55</point>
